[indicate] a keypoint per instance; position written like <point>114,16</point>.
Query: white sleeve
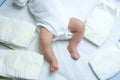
<point>21,3</point>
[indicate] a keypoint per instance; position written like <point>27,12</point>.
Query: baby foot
<point>74,53</point>
<point>53,67</point>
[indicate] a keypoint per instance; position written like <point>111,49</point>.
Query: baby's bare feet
<point>74,53</point>
<point>53,66</point>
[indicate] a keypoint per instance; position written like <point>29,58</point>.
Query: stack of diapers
<point>100,22</point>
<point>20,64</point>
<point>107,62</point>
<point>15,33</point>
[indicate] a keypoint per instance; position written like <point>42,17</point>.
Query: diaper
<point>100,22</point>
<point>20,64</point>
<point>16,33</point>
<point>106,63</point>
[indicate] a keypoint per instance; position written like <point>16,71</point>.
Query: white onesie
<point>49,16</point>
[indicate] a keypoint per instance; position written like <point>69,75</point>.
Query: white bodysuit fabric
<point>49,16</point>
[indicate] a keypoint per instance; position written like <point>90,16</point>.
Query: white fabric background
<point>68,68</point>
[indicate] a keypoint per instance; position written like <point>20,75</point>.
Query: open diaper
<point>100,22</point>
<point>106,63</point>
<point>20,64</point>
<point>16,33</point>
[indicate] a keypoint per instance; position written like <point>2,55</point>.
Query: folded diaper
<point>16,33</point>
<point>20,64</point>
<point>100,22</point>
<point>107,62</point>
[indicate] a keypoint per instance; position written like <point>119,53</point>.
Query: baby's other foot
<point>74,53</point>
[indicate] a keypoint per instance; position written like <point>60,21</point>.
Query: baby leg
<point>77,28</point>
<point>46,39</point>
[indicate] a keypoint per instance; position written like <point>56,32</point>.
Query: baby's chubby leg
<point>46,39</point>
<point>77,27</point>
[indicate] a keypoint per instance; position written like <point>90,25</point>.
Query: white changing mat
<point>107,62</point>
<point>100,22</point>
<point>20,64</point>
<point>16,33</point>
